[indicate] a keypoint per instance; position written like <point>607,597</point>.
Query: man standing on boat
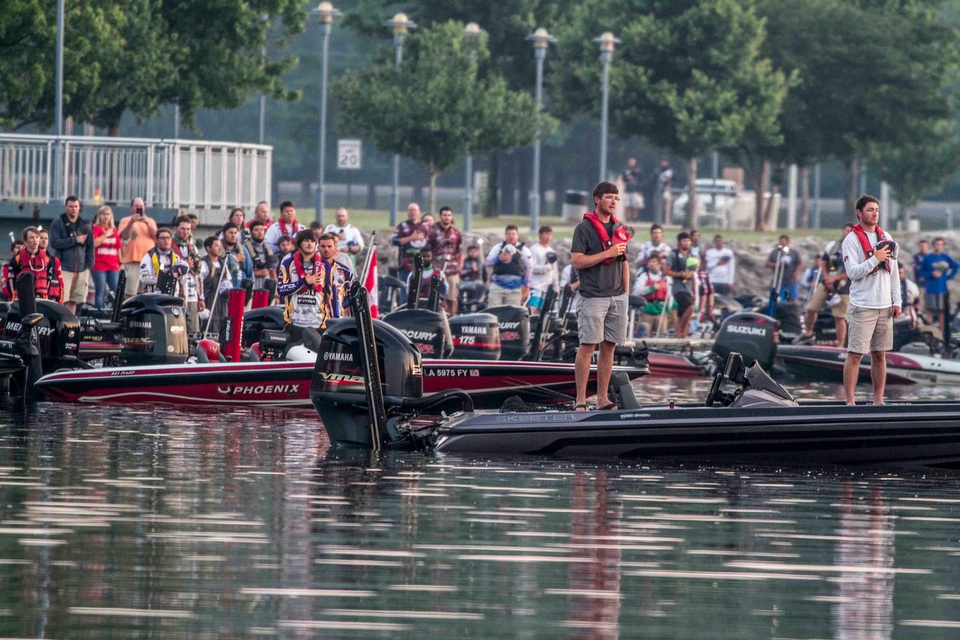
<point>599,254</point>
<point>870,259</point>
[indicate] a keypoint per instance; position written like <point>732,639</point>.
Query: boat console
<point>755,387</point>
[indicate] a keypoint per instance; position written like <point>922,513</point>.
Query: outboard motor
<point>428,330</point>
<point>58,333</point>
<point>514,331</point>
<point>754,335</point>
<point>338,385</point>
<point>476,336</point>
<point>154,330</point>
<point>789,315</point>
<point>256,321</point>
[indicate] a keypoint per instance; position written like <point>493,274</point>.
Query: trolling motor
<point>433,298</point>
<point>549,299</point>
<point>413,284</point>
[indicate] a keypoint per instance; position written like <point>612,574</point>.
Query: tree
<point>688,75</point>
<point>871,75</point>
<point>136,55</point>
<point>436,108</point>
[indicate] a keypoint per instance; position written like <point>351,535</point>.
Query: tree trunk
<point>114,130</point>
<point>491,207</point>
<point>769,213</point>
<point>693,214</point>
<point>759,180</point>
<point>805,197</point>
<point>434,174</point>
<point>853,185</point>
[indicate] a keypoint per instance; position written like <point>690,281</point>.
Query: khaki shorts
<point>603,319</point>
<point>818,302</point>
<point>453,287</point>
<point>869,330</point>
<point>76,286</point>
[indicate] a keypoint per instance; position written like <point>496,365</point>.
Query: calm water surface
<point>158,523</point>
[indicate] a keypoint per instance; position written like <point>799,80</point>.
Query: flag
<point>371,283</point>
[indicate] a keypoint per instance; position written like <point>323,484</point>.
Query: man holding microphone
<point>870,260</point>
<point>599,254</point>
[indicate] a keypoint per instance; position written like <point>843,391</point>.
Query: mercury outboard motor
<point>514,331</point>
<point>476,336</point>
<point>58,333</point>
<point>754,335</point>
<point>428,330</point>
<point>154,330</point>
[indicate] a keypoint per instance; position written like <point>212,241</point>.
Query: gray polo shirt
<point>600,280</point>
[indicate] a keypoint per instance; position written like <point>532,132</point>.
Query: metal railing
<point>193,174</point>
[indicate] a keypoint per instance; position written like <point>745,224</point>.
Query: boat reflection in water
<point>122,521</point>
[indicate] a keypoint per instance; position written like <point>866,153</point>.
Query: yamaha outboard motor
<point>754,335</point>
<point>338,386</point>
<point>514,331</point>
<point>154,330</point>
<point>476,336</point>
<point>58,334</point>
<point>428,330</point>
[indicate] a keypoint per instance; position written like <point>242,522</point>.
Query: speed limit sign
<point>349,154</point>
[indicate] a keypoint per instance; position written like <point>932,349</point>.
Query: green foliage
<point>507,23</point>
<point>436,108</point>
<point>139,54</point>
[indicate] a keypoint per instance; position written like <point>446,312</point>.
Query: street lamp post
<point>263,105</point>
<point>607,43</point>
<point>541,40</point>
<point>401,25</point>
<point>325,13</point>
<point>58,107</point>
<point>470,33</point>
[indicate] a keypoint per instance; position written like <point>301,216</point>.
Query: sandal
<point>611,406</point>
<point>581,407</point>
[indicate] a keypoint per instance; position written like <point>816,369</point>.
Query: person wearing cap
<point>870,260</point>
<point>510,263</point>
<point>159,259</point>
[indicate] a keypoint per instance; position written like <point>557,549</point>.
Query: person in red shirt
<point>106,256</point>
<point>6,293</point>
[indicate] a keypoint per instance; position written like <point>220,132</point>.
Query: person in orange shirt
<point>138,231</point>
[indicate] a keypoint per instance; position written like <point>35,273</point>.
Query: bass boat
<point>757,422</point>
<point>825,364</point>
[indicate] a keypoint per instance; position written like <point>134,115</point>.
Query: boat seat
<point>623,391</point>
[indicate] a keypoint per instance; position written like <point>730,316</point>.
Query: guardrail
<point>192,174</point>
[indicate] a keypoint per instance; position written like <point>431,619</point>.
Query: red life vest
<point>657,295</point>
<point>302,273</point>
<point>283,228</point>
<point>865,244</point>
<point>620,233</point>
<point>38,264</point>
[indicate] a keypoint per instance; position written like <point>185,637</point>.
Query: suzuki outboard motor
<point>514,331</point>
<point>476,336</point>
<point>154,330</point>
<point>428,330</point>
<point>58,334</point>
<point>753,335</point>
<point>338,387</point>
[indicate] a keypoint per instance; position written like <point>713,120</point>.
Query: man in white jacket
<point>870,260</point>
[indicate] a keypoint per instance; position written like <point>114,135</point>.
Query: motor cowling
<point>514,331</point>
<point>754,335</point>
<point>256,321</point>
<point>476,336</point>
<point>338,387</point>
<point>428,330</point>
<point>58,334</point>
<point>154,330</point>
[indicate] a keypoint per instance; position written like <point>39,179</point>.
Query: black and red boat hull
<point>287,384</point>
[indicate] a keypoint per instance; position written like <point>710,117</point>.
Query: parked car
<point>715,200</point>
